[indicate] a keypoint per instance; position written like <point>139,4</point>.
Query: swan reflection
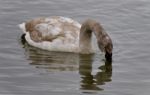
<point>58,61</point>
<point>92,82</point>
<point>51,61</point>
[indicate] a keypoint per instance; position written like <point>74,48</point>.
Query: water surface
<point>25,70</point>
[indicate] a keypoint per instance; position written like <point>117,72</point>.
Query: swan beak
<point>108,57</point>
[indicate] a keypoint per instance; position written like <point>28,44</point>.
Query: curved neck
<point>85,39</point>
<point>103,40</point>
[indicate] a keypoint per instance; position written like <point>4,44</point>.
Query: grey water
<point>25,70</point>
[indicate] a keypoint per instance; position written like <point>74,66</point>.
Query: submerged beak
<point>108,57</point>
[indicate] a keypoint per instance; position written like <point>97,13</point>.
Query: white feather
<point>22,27</point>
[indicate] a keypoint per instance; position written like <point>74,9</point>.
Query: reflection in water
<point>61,61</point>
<point>51,61</point>
<point>89,81</point>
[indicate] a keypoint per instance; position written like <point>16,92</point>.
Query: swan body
<point>53,33</point>
<point>64,34</point>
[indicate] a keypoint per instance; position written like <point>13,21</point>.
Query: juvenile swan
<point>64,34</point>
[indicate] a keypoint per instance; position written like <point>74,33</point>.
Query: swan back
<point>53,33</point>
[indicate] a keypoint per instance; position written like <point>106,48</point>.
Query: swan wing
<point>52,33</point>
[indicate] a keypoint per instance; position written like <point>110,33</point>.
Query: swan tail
<point>22,27</point>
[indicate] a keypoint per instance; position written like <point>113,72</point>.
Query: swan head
<point>105,45</point>
<point>108,50</point>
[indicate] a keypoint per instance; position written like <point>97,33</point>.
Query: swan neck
<point>85,39</point>
<point>103,40</point>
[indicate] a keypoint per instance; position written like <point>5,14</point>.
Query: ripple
<point>32,71</point>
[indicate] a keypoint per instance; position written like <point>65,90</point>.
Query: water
<point>25,70</point>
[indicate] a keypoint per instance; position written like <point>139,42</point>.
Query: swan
<point>63,34</point>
